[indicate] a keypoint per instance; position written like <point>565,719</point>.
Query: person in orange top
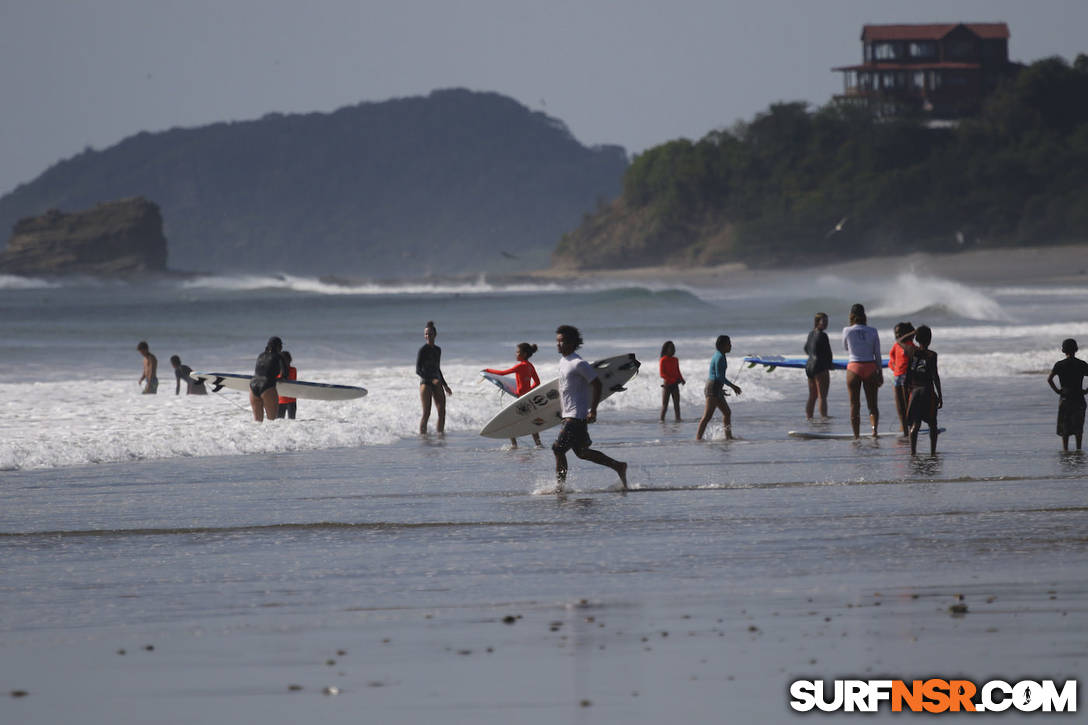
<point>898,358</point>
<point>669,369</point>
<point>526,377</point>
<point>288,406</point>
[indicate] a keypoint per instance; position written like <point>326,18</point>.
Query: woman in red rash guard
<point>526,377</point>
<point>669,369</point>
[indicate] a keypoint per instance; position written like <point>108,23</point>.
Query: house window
<point>886,51</point>
<point>923,49</point>
<point>918,79</point>
<point>961,49</point>
<point>936,79</point>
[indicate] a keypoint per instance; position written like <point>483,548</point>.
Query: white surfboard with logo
<point>540,409</point>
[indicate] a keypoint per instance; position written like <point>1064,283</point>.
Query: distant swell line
<point>257,528</point>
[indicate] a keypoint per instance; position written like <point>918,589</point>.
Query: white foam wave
<point>1064,292</point>
<point>910,293</point>
<point>11,281</point>
<point>47,425</point>
<point>479,286</point>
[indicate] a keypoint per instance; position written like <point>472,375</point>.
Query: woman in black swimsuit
<point>432,386</point>
<point>262,387</point>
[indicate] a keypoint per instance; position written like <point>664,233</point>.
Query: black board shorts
<point>1071,416</point>
<point>574,434</point>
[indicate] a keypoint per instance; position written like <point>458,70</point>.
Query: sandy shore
<point>1038,265</point>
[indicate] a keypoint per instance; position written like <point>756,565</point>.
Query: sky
<point>637,73</point>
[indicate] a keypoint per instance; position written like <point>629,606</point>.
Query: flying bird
<point>837,228</point>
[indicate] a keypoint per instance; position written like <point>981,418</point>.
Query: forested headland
<point>797,185</point>
<point>456,182</point>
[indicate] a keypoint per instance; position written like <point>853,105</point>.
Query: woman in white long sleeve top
<point>863,369</point>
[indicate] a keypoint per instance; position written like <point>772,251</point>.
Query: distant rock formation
<point>117,238</point>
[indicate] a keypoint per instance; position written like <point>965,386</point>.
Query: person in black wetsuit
<point>262,387</point>
<point>818,367</point>
<point>923,386</point>
<point>1070,373</point>
<point>432,386</point>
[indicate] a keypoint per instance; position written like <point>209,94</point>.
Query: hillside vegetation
<point>454,182</point>
<point>795,185</point>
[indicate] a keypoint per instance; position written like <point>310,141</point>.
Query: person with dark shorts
<point>897,365</point>
<point>262,386</point>
<point>288,406</point>
<point>668,366</point>
<point>150,372</point>
<point>818,366</point>
<point>923,386</point>
<point>715,389</point>
<point>1070,372</point>
<point>579,394</point>
<point>184,372</point>
<point>432,386</point>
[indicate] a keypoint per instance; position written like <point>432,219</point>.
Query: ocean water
<point>253,551</point>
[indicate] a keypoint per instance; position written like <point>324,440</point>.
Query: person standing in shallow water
<point>579,394</point>
<point>897,365</point>
<point>527,379</point>
<point>715,389</point>
<point>270,366</point>
<point>818,366</point>
<point>1070,372</point>
<point>150,372</point>
<point>432,386</point>
<point>288,406</point>
<point>923,386</point>
<point>668,367</point>
<point>863,369</point>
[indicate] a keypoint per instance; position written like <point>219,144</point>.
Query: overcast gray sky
<point>80,73</point>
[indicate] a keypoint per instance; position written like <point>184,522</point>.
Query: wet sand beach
<point>167,560</point>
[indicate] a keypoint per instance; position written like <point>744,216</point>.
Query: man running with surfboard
<point>579,393</point>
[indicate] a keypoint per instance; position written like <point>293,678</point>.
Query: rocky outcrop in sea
<point>116,238</point>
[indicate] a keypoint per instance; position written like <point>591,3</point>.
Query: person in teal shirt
<point>715,389</point>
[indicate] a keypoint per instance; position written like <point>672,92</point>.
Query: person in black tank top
<point>262,387</point>
<point>923,384</point>
<point>818,366</point>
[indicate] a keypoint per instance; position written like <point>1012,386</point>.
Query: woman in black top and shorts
<point>432,386</point>
<point>818,367</point>
<point>262,387</point>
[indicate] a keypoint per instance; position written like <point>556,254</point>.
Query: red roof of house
<point>987,31</point>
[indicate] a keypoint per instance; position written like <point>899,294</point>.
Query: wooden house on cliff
<point>938,70</point>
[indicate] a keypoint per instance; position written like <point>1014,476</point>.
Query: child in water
<point>1070,373</point>
<point>669,369</point>
<point>526,377</point>
<point>715,389</point>
<point>897,364</point>
<point>923,385</point>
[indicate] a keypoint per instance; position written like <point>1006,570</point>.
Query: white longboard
<point>286,388</point>
<point>816,435</point>
<point>540,408</point>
